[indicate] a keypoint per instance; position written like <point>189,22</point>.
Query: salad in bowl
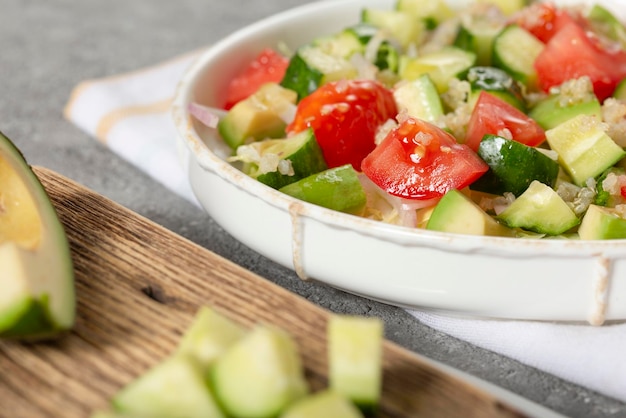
<point>468,147</point>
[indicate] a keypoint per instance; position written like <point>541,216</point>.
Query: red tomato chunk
<point>418,160</point>
<point>492,115</point>
<point>345,117</point>
<point>268,66</point>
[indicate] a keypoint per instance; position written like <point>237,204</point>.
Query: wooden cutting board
<point>139,287</point>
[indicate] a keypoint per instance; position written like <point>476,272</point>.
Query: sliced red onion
<point>208,116</point>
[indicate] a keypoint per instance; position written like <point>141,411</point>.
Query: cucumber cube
<point>355,359</point>
<point>584,148</point>
<point>279,162</point>
<point>323,404</point>
<point>419,98</point>
<point>210,335</point>
<point>175,387</point>
<point>337,188</point>
<point>260,375</point>
<point>513,166</point>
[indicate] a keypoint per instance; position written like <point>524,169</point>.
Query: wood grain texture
<point>139,287</point>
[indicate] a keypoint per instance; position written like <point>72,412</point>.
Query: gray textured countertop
<point>47,47</point>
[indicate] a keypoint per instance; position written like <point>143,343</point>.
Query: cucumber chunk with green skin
<point>210,335</point>
<point>337,188</point>
<point>555,109</point>
<point>540,209</point>
<point>312,67</point>
<point>355,359</point>
<point>323,404</point>
<point>258,116</point>
<point>176,387</point>
<point>497,82</point>
<point>260,375</point>
<point>442,66</point>
<point>513,166</point>
<point>419,98</point>
<point>602,223</point>
<point>279,162</point>
<point>456,213</point>
<point>584,148</point>
<point>603,197</point>
<point>477,34</point>
<point>37,300</point>
<point>400,25</point>
<point>515,51</point>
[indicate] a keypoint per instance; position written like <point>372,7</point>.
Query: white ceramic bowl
<point>479,276</point>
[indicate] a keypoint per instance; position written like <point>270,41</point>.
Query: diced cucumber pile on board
<point>517,110</point>
<point>221,369</point>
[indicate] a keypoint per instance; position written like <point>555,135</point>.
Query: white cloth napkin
<point>130,114</point>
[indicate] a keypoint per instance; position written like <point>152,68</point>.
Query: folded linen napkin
<point>130,114</point>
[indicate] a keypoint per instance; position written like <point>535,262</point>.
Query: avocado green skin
<point>337,188</point>
<point>513,166</point>
<point>31,318</point>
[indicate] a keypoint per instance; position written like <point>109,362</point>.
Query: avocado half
<point>37,300</point>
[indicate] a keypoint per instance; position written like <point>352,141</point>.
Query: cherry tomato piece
<point>345,116</point>
<point>419,160</point>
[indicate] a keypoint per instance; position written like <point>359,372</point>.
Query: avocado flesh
<point>457,213</point>
<point>36,273</point>
<point>602,223</point>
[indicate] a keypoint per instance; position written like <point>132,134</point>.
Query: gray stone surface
<point>48,46</point>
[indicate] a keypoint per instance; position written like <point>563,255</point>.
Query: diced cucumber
<point>258,116</point>
<point>584,149</point>
<point>175,387</point>
<point>515,51</point>
<point>540,209</point>
<point>419,98</point>
<point>442,66</point>
<point>508,7</point>
<point>210,335</point>
<point>477,34</point>
<point>323,404</point>
<point>312,67</point>
<point>279,162</point>
<point>401,26</point>
<point>260,375</point>
<point>457,213</point>
<point>497,82</point>
<point>337,188</point>
<point>388,54</point>
<point>602,223</point>
<point>604,197</point>
<point>513,166</point>
<point>432,12</point>
<point>555,109</point>
<point>355,359</point>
